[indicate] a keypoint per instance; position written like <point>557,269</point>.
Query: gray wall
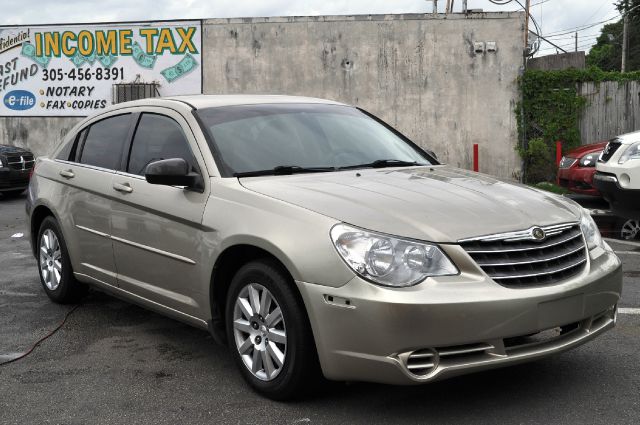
<point>557,62</point>
<point>612,109</point>
<point>418,72</point>
<point>40,134</point>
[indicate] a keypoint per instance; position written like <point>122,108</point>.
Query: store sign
<point>71,70</point>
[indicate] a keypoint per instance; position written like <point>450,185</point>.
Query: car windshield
<point>288,138</point>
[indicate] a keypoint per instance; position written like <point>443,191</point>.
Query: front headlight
<point>590,159</point>
<point>389,261</point>
<point>632,152</point>
<point>590,230</point>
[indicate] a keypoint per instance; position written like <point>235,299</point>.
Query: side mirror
<point>172,172</point>
<point>432,153</point>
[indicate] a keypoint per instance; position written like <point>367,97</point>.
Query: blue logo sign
<point>19,100</point>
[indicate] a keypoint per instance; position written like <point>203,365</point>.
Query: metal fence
<point>613,108</point>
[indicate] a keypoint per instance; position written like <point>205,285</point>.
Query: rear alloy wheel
<point>269,333</point>
<point>50,260</point>
<point>630,230</point>
<point>54,265</point>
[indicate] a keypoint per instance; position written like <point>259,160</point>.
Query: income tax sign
<point>70,70</point>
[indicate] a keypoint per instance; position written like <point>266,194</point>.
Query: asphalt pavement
<point>115,363</point>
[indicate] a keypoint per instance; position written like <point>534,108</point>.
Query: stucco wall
<point>39,134</point>
<point>418,72</point>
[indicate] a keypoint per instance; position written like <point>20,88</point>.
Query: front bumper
<point>450,326</point>
<point>578,180</point>
<point>624,202</point>
<point>11,179</point>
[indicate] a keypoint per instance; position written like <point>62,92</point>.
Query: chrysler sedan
<point>316,241</point>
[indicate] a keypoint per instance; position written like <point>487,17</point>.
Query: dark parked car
<point>577,168</point>
<point>15,169</point>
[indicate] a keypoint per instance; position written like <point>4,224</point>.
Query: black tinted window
<point>158,137</point>
<point>104,143</point>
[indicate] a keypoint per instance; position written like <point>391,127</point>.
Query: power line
<point>594,13</point>
<point>540,2</point>
<point>580,47</point>
<point>563,32</point>
<point>569,31</point>
<point>583,44</point>
<point>582,37</point>
<point>582,27</point>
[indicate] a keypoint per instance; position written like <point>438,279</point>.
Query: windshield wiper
<point>383,163</point>
<point>282,170</point>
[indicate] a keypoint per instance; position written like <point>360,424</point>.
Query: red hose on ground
<point>33,347</point>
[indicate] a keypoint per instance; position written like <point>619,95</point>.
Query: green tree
<point>606,54</point>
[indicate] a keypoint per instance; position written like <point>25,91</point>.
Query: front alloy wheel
<point>268,331</point>
<point>259,331</point>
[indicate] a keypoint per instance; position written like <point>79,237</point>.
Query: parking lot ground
<point>115,363</point>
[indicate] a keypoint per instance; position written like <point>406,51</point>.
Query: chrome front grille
<point>20,162</point>
<point>518,259</point>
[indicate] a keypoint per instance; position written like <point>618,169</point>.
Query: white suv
<point>618,174</point>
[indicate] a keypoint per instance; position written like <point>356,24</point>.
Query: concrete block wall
<point>418,72</point>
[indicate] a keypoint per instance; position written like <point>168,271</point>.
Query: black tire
<point>628,229</point>
<point>300,370</point>
<point>68,290</point>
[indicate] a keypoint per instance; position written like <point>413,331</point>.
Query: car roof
<point>209,101</point>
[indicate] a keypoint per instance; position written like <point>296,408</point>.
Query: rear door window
<point>158,137</point>
<point>105,141</point>
<point>65,152</point>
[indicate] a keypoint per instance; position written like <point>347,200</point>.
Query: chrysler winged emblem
<point>538,234</point>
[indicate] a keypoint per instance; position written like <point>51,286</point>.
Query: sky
<point>555,17</point>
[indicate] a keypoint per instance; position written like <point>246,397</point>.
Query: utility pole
<point>625,36</point>
<point>576,41</point>
<point>527,10</point>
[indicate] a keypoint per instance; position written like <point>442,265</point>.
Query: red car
<point>577,168</point>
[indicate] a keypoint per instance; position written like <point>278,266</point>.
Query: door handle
<point>123,187</point>
<point>67,174</point>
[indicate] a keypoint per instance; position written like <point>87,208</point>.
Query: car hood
<point>437,203</point>
<point>581,151</point>
<point>6,149</point>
